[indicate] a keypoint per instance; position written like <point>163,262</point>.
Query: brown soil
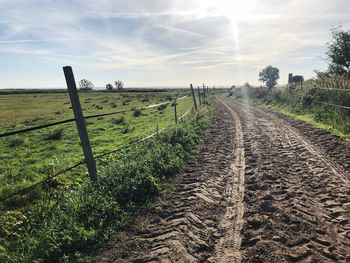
<point>291,179</point>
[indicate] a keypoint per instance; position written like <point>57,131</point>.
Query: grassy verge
<point>312,118</point>
<point>72,221</point>
<point>31,157</point>
<point>304,105</point>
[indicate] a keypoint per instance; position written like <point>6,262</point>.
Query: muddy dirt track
<point>262,188</point>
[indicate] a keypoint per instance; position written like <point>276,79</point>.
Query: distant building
<point>290,77</point>
<point>295,80</point>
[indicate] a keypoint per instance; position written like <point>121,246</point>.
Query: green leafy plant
<point>81,218</point>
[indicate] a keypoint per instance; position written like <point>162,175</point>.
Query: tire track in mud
<point>297,198</point>
<point>332,146</point>
<point>201,220</point>
<point>228,247</point>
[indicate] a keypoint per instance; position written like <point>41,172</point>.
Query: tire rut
<point>297,200</point>
<point>228,247</point>
<point>259,190</point>
<point>201,220</point>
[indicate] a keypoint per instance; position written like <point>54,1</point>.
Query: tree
<point>85,84</point>
<point>339,52</point>
<point>269,76</point>
<point>232,89</point>
<point>109,87</point>
<point>119,85</point>
<point>246,85</point>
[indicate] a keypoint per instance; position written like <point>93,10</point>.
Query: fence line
<point>155,105</point>
<point>127,146</point>
<point>65,170</point>
<point>335,78</point>
<point>36,128</point>
<point>331,104</point>
<point>330,88</point>
<point>187,112</point>
<point>39,127</point>
<point>327,103</point>
<point>184,97</point>
<point>30,188</point>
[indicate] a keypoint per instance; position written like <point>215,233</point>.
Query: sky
<point>160,43</point>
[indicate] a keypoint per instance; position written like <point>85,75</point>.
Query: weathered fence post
<point>79,118</point>
<point>199,96</point>
<point>175,112</point>
<point>203,92</point>
<point>194,98</point>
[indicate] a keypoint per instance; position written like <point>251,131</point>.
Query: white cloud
<point>220,41</point>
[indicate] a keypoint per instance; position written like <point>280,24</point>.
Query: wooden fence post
<point>199,96</point>
<point>79,118</point>
<point>194,98</point>
<point>203,92</point>
<point>175,112</point>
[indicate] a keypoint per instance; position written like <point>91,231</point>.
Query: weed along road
<point>262,188</point>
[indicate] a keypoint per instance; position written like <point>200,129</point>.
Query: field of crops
<point>29,157</point>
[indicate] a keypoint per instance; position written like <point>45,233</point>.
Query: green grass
<point>310,118</point>
<point>31,157</point>
<point>69,223</point>
<point>303,105</point>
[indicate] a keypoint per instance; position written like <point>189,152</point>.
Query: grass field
<point>27,158</point>
<point>64,218</point>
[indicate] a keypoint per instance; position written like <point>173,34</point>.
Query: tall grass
<point>75,220</point>
<point>313,101</point>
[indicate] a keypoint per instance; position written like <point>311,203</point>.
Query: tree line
<point>85,84</point>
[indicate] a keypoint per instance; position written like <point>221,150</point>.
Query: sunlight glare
<point>234,10</point>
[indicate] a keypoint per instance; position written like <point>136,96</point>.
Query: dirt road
<point>263,188</point>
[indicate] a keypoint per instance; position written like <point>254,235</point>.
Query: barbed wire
<point>184,115</point>
<point>39,127</point>
<point>30,188</point>
<point>65,170</point>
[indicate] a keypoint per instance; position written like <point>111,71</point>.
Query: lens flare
<point>234,10</point>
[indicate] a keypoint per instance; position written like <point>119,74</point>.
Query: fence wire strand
<point>322,88</point>
<point>39,127</point>
<point>65,170</point>
<point>334,105</point>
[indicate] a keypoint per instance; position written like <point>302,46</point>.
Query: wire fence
<point>30,188</point>
<point>39,127</point>
<point>65,170</point>
<point>321,88</point>
<point>331,104</point>
<point>89,159</point>
<point>342,96</point>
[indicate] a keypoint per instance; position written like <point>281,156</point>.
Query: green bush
<point>309,100</point>
<point>81,218</point>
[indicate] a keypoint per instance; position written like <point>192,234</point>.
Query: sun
<point>234,11</point>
